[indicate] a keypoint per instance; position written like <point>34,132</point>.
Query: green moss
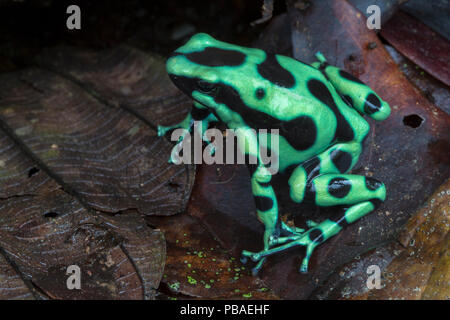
<point>247,295</point>
<point>175,286</point>
<point>191,280</point>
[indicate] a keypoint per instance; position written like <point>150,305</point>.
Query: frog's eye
<point>205,86</point>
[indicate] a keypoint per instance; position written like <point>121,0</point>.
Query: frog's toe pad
<point>311,223</point>
<point>303,268</point>
<point>258,267</point>
<point>255,257</point>
<point>162,130</point>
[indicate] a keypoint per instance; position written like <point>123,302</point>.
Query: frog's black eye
<point>260,93</point>
<point>205,86</point>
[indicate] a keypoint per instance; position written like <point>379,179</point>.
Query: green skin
<point>318,109</point>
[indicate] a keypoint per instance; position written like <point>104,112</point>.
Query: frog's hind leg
<point>360,195</point>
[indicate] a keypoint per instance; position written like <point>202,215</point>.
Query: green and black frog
<point>318,111</point>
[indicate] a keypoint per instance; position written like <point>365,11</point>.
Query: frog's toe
<point>257,268</point>
<point>303,268</point>
<point>320,56</point>
<point>246,254</point>
<point>311,223</point>
<point>162,131</point>
<point>309,250</point>
<point>291,231</point>
<point>280,240</point>
<point>254,256</point>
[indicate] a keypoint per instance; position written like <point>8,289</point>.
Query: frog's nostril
<point>413,120</point>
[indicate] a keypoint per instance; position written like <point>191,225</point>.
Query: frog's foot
<point>260,257</point>
<point>308,239</point>
<point>255,258</point>
<point>288,230</point>
<point>185,124</point>
<point>289,234</point>
<point>163,129</point>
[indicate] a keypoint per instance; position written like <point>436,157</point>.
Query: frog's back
<point>309,94</point>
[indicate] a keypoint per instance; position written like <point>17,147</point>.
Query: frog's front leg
<point>263,192</point>
<point>198,113</point>
<point>266,208</point>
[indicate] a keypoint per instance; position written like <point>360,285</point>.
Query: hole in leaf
<point>51,214</point>
<point>413,120</point>
<point>173,186</point>
<point>33,171</point>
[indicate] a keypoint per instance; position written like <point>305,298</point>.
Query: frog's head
<point>210,71</point>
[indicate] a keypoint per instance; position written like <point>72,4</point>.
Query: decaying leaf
<point>197,266</point>
<point>109,157</point>
<point>44,230</point>
<point>434,90</point>
<point>79,166</point>
<point>122,76</point>
<point>420,44</point>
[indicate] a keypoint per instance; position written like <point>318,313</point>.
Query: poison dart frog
<point>318,111</point>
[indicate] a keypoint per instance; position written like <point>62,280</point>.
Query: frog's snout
<point>185,84</point>
<point>173,63</point>
<point>173,66</point>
